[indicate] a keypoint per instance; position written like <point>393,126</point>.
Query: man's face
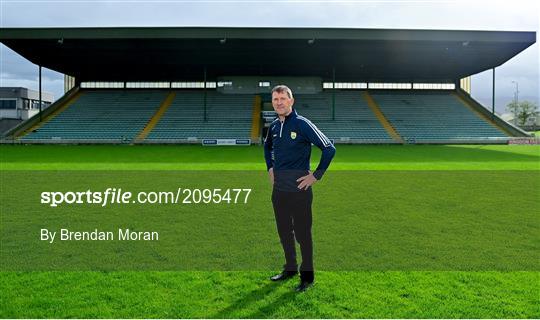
<point>282,103</point>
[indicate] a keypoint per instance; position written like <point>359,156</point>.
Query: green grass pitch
<point>494,187</point>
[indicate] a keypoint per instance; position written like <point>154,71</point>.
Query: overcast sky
<point>513,15</point>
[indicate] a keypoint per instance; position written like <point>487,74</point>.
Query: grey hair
<point>283,88</point>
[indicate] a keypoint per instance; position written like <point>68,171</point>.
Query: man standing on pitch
<point>287,150</point>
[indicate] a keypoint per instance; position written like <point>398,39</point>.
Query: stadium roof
<point>182,53</point>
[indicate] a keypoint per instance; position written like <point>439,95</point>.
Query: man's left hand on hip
<point>306,181</point>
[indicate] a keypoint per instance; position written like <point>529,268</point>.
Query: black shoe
<point>307,276</point>
<point>303,286</point>
<point>284,275</point>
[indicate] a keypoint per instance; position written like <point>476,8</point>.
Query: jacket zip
<point>281,129</point>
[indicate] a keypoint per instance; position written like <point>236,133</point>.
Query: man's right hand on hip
<point>271,174</point>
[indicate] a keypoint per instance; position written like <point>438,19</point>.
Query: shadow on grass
<point>268,311</point>
<point>259,294</point>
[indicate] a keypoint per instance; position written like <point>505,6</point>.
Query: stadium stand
<point>227,117</point>
<point>353,120</point>
<point>417,116</point>
<point>106,115</point>
<point>432,116</point>
<point>205,84</point>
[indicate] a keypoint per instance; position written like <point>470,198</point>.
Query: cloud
<point>524,68</point>
<point>16,71</point>
<point>53,86</point>
<point>493,15</point>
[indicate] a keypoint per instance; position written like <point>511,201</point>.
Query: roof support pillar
<point>333,93</point>
<point>493,95</point>
<point>204,93</point>
<point>40,102</point>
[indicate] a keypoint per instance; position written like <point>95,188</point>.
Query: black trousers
<point>293,219</point>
